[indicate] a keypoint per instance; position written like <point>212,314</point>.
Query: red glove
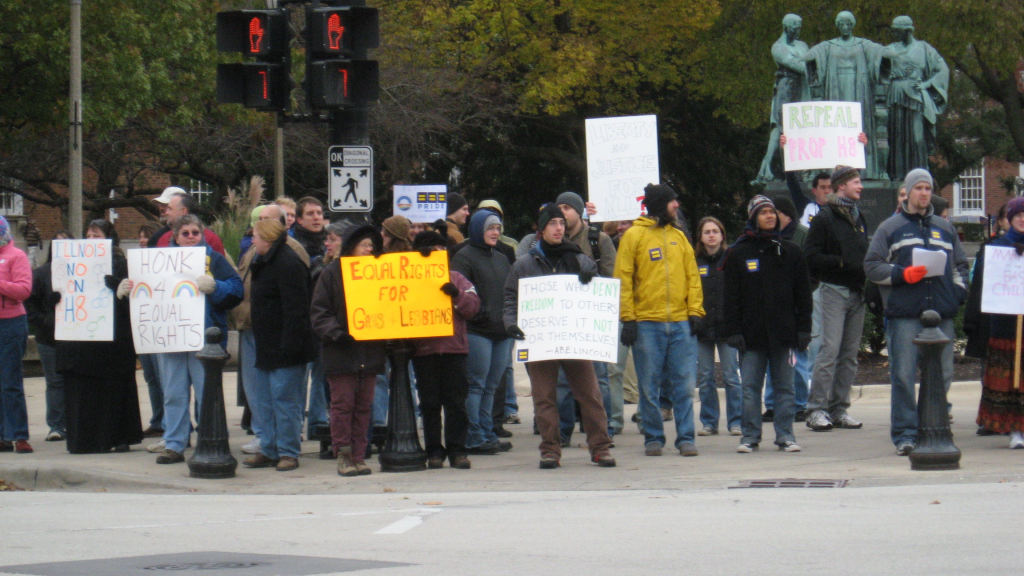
<point>914,274</point>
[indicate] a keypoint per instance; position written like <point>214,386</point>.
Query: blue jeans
<point>709,407</point>
<point>753,365</point>
<point>485,367</point>
<point>665,354</point>
<point>317,413</point>
<point>151,374</point>
<point>511,401</point>
<point>567,404</point>
<point>278,408</point>
<point>180,372</point>
<point>801,382</point>
<point>13,339</point>
<point>54,388</point>
<point>900,334</point>
<point>255,388</point>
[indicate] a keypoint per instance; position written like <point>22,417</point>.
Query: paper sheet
<point>933,260</point>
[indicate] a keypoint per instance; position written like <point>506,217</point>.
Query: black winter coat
<point>280,308</point>
<point>341,354</point>
<point>835,248</point>
<point>767,293</point>
<point>712,281</point>
<point>487,268</point>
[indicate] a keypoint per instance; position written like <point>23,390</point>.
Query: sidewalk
<point>863,457</point>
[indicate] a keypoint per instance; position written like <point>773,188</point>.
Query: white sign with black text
<point>350,177</point>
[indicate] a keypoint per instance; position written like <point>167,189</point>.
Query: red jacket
<point>209,236</point>
<point>465,306</point>
<point>15,281</point>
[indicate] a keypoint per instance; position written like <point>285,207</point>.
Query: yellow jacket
<point>658,271</point>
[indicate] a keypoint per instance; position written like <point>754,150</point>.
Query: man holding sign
<point>908,289</point>
<point>552,255</point>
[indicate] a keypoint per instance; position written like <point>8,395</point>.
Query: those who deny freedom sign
<point>397,295</point>
<point>77,271</point>
<point>564,319</point>
<point>822,135</point>
<point>168,310</point>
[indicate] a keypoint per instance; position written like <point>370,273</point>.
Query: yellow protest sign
<point>397,295</point>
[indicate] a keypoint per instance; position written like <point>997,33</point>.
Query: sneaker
<point>485,449</point>
<point>789,446</point>
<point>800,416</point>
<point>846,421</point>
<point>152,432</point>
<point>604,460</point>
<point>252,447</point>
<point>157,447</point>
<point>504,446</point>
<point>1016,440</point>
<point>746,447</point>
<point>513,418</point>
<point>362,469</point>
<point>819,421</point>
<point>549,462</point>
<point>652,450</point>
<point>169,456</point>
<point>258,460</point>
<point>735,431</point>
<point>460,462</point>
<point>502,433</point>
<point>707,431</point>
<point>54,436</point>
<point>688,449</point>
<point>768,416</point>
<point>287,464</point>
<point>904,448</point>
<point>23,447</point>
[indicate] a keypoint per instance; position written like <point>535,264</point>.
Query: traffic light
<point>263,36</point>
<point>338,73</point>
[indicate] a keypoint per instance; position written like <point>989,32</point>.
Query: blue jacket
<point>227,295</point>
<point>891,251</point>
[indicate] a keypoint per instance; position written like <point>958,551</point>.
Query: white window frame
<point>978,173</point>
<point>200,191</point>
<point>12,204</point>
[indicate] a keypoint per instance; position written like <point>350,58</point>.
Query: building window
<point>10,203</point>
<point>201,192</point>
<point>970,192</point>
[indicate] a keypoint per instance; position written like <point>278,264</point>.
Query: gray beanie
<point>915,176</point>
<point>573,200</point>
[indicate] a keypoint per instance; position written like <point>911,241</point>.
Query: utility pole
<point>75,125</point>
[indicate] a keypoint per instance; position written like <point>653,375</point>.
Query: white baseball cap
<point>168,193</point>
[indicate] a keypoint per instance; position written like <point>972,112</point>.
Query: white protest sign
<point>421,203</point>
<point>622,158</point>
<point>1003,284</point>
<point>86,309</point>
<point>168,310</point>
<point>563,319</point>
<point>822,135</point>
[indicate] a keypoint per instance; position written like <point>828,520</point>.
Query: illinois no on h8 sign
<point>350,173</point>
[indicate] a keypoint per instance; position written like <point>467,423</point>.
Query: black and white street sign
<point>350,173</point>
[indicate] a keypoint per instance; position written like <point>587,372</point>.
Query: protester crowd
<point>780,306</point>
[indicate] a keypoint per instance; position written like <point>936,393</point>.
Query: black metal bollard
<point>212,457</point>
<point>402,452</point>
<point>935,449</point>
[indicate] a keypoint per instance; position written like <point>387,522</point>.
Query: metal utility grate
<point>792,483</point>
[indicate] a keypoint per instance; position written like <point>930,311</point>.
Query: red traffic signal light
<point>260,85</point>
<point>342,31</point>
<point>261,33</point>
<point>343,83</point>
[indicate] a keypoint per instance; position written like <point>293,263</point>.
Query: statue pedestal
<point>877,200</point>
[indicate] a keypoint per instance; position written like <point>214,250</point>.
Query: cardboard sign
<point>1003,284</point>
<point>86,309</point>
<point>565,320</point>
<point>397,295</point>
<point>822,135</point>
<point>168,310</point>
<point>421,203</point>
<point>622,158</point>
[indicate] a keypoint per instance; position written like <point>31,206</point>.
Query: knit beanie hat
<point>657,197</point>
<point>398,226</point>
<point>354,236</point>
<point>455,202</point>
<point>550,211</point>
<point>914,177</point>
<point>756,204</point>
<point>785,205</point>
<point>843,174</point>
<point>254,216</point>
<point>428,239</point>
<point>5,232</point>
<point>573,200</point>
<point>1014,207</point>
<point>491,204</point>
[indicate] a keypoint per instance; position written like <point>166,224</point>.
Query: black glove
<point>425,251</point>
<point>737,342</point>
<point>514,332</point>
<point>111,282</point>
<point>450,289</point>
<point>803,340</point>
<point>52,299</point>
<point>1019,247</point>
<point>628,336</point>
<point>586,276</point>
<point>696,325</point>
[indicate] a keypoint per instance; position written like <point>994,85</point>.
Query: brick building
<point>981,191</point>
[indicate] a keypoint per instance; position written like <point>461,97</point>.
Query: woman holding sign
<point>1002,394</point>
<point>351,367</point>
<point>15,287</point>
<point>101,398</point>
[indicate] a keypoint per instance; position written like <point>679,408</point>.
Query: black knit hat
<point>657,197</point>
<point>546,214</point>
<point>356,235</point>
<point>428,239</point>
<point>785,205</point>
<point>455,202</point>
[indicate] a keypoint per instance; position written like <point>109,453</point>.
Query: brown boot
<point>362,469</point>
<point>346,467</point>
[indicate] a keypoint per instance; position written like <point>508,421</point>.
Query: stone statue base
<point>877,201</point>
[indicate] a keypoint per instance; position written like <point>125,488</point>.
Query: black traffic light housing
<point>263,36</point>
<point>338,72</point>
